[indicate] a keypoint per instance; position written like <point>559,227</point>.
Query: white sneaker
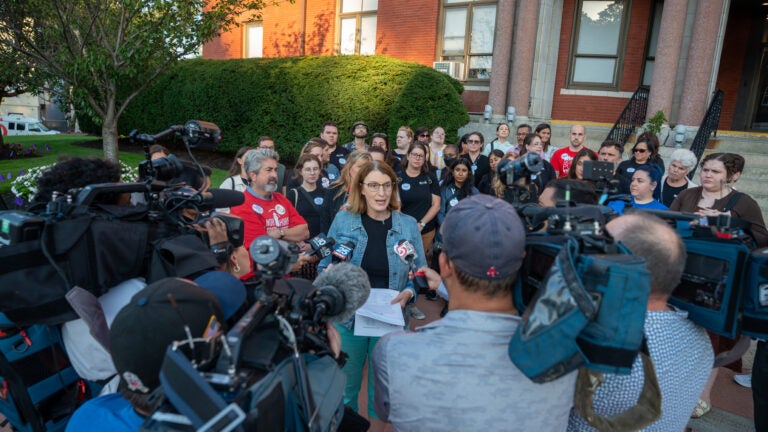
<point>744,380</point>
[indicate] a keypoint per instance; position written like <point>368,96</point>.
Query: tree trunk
<point>109,138</point>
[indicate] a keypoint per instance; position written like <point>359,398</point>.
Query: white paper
<point>378,316</point>
<point>365,326</point>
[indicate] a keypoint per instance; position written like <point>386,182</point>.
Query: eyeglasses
<point>417,155</point>
<point>473,141</point>
<point>424,135</point>
<point>374,187</point>
<point>639,150</point>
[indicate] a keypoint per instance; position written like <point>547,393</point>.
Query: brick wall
<point>596,108</point>
<point>407,29</point>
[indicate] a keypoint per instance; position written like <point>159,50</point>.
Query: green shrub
<point>290,98</point>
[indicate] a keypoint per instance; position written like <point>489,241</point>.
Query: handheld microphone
<point>321,245</point>
<point>342,252</point>
<point>342,289</point>
<point>407,253</point>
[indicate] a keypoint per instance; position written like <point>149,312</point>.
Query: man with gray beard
<point>265,211</point>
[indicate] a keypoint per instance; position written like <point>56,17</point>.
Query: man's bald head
<point>652,239</point>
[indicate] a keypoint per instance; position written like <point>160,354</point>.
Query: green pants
<point>358,348</point>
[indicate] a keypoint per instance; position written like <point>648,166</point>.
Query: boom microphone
<point>342,289</point>
<point>407,253</point>
<point>220,198</point>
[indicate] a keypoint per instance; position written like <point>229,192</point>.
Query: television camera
<point>80,238</point>
<point>275,360</point>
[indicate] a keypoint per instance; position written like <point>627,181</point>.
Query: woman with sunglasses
<point>480,163</point>
<point>374,225</point>
<point>644,153</point>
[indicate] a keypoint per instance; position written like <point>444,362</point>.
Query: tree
<point>108,51</point>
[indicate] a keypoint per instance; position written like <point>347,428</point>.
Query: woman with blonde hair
<point>337,195</point>
<point>373,223</point>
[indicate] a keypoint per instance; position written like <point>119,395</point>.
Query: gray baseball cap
<point>484,237</point>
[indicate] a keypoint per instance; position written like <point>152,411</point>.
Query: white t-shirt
<point>90,360</point>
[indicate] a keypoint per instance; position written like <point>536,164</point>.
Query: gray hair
<point>255,158</point>
<point>685,157</point>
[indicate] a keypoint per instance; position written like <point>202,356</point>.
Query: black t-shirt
<point>375,261</point>
<point>416,196</point>
<point>339,157</point>
<point>480,166</point>
<point>313,214</point>
<point>669,193</point>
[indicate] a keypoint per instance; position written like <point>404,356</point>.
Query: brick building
<point>569,60</point>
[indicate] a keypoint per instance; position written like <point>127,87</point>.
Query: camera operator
<point>265,211</point>
<point>168,310</point>
<point>455,373</point>
<point>679,348</point>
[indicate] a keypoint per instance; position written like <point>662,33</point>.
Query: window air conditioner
<point>453,68</point>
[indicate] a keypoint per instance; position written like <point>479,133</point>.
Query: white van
<point>16,124</point>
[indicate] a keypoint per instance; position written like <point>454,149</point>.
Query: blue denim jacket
<point>348,226</point>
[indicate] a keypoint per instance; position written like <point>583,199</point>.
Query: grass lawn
<point>63,145</point>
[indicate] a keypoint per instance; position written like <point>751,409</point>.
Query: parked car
<point>15,124</point>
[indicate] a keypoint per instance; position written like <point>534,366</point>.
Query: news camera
<point>275,359</point>
<point>79,238</point>
<point>516,175</point>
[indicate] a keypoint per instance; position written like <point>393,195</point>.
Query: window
<point>653,39</point>
<point>467,30</point>
<point>597,49</point>
<point>358,27</point>
<point>254,40</point>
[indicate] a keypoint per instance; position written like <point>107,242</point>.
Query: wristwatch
<point>422,224</point>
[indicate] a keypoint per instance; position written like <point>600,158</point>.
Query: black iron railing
<point>632,117</point>
<point>707,128</point>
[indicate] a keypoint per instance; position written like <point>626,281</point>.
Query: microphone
<point>342,289</point>
<point>321,245</point>
<point>220,198</point>
<point>407,253</point>
<point>342,252</point>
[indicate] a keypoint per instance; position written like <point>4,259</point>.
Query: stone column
<point>502,53</point>
<point>701,59</point>
<point>667,56</point>
<point>523,55</point>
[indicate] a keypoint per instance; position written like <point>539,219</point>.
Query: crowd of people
<point>452,206</point>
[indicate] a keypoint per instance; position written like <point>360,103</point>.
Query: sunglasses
<point>424,135</point>
<point>639,150</point>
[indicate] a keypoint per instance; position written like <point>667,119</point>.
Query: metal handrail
<point>707,128</point>
<point>632,117</point>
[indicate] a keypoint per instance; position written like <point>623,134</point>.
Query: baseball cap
<point>227,288</point>
<point>356,124</point>
<point>484,237</point>
<point>155,318</point>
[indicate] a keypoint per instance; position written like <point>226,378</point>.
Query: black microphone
<point>342,289</point>
<point>407,253</point>
<point>321,245</point>
<point>342,252</point>
<point>219,198</point>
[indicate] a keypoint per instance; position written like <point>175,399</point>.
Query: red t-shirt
<point>561,160</point>
<point>260,215</point>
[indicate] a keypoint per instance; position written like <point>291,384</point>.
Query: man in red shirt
<point>265,211</point>
<point>561,159</point>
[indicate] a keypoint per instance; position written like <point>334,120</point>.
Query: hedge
<point>290,98</point>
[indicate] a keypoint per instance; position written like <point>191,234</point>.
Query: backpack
<point>39,389</point>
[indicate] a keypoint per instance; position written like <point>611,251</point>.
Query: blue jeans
<point>358,348</point>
